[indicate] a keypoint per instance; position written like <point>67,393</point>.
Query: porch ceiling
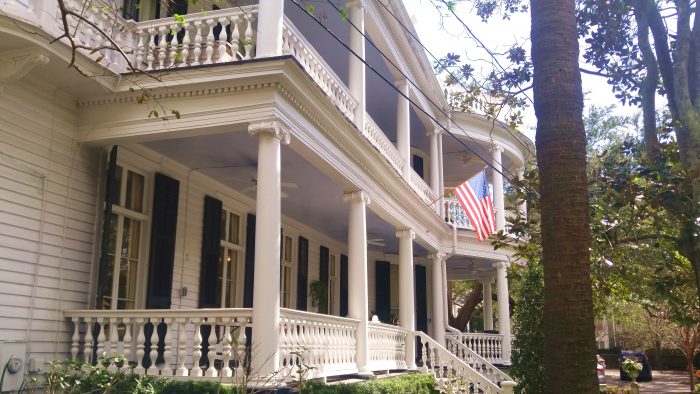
<point>465,267</point>
<point>316,201</point>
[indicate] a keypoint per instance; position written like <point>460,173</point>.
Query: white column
<point>356,68</point>
<point>497,180</point>
<point>270,20</point>
<point>438,318</point>
<point>445,304</point>
<point>403,127</point>
<point>523,204</point>
<point>357,273</point>
<point>488,305</point>
<point>503,308</point>
<point>435,166</point>
<point>407,292</point>
<point>266,311</point>
<point>442,177</point>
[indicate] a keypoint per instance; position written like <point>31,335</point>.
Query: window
<point>333,284</point>
<point>286,271</point>
<point>125,237</point>
<point>229,260</point>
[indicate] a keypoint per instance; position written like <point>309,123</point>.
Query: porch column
<point>441,184</point>
<point>403,128</point>
<point>488,305</point>
<point>407,292</point>
<point>357,273</point>
<point>503,308</point>
<point>446,313</point>
<point>438,318</point>
<point>523,205</point>
<point>270,20</point>
<point>497,180</point>
<point>435,166</point>
<point>356,69</point>
<point>266,311</point>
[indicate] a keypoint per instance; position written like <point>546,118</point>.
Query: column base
<point>366,374</point>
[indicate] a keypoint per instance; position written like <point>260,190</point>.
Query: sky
<point>443,34</point>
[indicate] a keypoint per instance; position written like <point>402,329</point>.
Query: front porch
<point>215,344</point>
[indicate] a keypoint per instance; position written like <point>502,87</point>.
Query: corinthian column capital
<point>274,127</point>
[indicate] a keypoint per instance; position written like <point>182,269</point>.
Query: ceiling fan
<point>253,185</point>
<point>376,242</point>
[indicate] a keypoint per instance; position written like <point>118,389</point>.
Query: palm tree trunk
<point>561,154</point>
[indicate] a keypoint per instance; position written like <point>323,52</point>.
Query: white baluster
<point>87,350</point>
<point>221,55</point>
<point>248,37</point>
<point>185,46</point>
<point>162,44</point>
<point>150,49</point>
<point>127,340</point>
<point>75,345</point>
<point>167,369</point>
<point>181,347</point>
<point>210,41</point>
<point>241,348</point>
<point>112,344</point>
<point>226,349</point>
<point>196,348</point>
<point>235,37</point>
<point>153,354</point>
<point>140,345</point>
<point>173,47</point>
<point>197,52</point>
<point>211,354</point>
<point>101,339</point>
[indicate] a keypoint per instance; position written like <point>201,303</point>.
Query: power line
<point>346,46</point>
<point>440,63</point>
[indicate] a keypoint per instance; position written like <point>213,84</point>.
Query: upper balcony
<point>155,46</point>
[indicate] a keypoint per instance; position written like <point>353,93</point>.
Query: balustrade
<point>474,360</point>
<point>379,140</point>
<point>488,346</point>
<point>325,345</point>
<point>454,213</point>
<point>387,346</point>
<point>424,191</point>
<point>452,374</point>
<point>195,343</point>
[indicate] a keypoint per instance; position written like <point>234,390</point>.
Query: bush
<point>75,377</point>
<point>408,384</point>
<point>615,390</point>
<point>528,346</point>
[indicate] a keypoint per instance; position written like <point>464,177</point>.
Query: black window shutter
<point>131,9</point>
<point>111,197</point>
<point>324,261</point>
<point>211,243</point>
<point>382,287</point>
<point>418,165</point>
<point>166,193</point>
<point>344,285</point>
<point>421,299</point>
<point>303,274</point>
<point>249,275</point>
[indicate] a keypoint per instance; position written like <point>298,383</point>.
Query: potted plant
<point>632,367</point>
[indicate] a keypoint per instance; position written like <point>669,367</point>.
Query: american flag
<point>476,200</point>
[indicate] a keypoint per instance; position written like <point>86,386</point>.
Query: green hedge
<point>407,384</point>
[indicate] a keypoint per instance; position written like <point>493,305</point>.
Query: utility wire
<point>444,67</point>
<point>346,46</point>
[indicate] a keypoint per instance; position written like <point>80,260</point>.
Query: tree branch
<point>596,73</point>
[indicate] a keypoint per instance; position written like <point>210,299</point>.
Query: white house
<point>241,204</point>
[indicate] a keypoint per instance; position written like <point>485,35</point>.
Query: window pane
<point>223,225</point>
<point>233,226</point>
<point>220,277</point>
<point>109,248</point>
<point>288,248</point>
<point>134,192</point>
<point>128,263</point>
<point>332,265</point>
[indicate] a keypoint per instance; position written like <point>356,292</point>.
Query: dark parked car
<point>641,357</point>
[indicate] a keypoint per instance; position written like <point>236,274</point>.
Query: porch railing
<point>195,343</point>
<point>424,191</point>
<point>452,374</point>
<point>379,140</point>
<point>474,360</point>
<point>387,346</point>
<point>454,213</point>
<point>324,344</point>
<point>488,346</point>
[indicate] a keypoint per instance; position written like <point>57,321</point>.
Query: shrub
<point>408,384</point>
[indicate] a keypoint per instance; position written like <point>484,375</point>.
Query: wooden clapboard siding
<point>48,206</point>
